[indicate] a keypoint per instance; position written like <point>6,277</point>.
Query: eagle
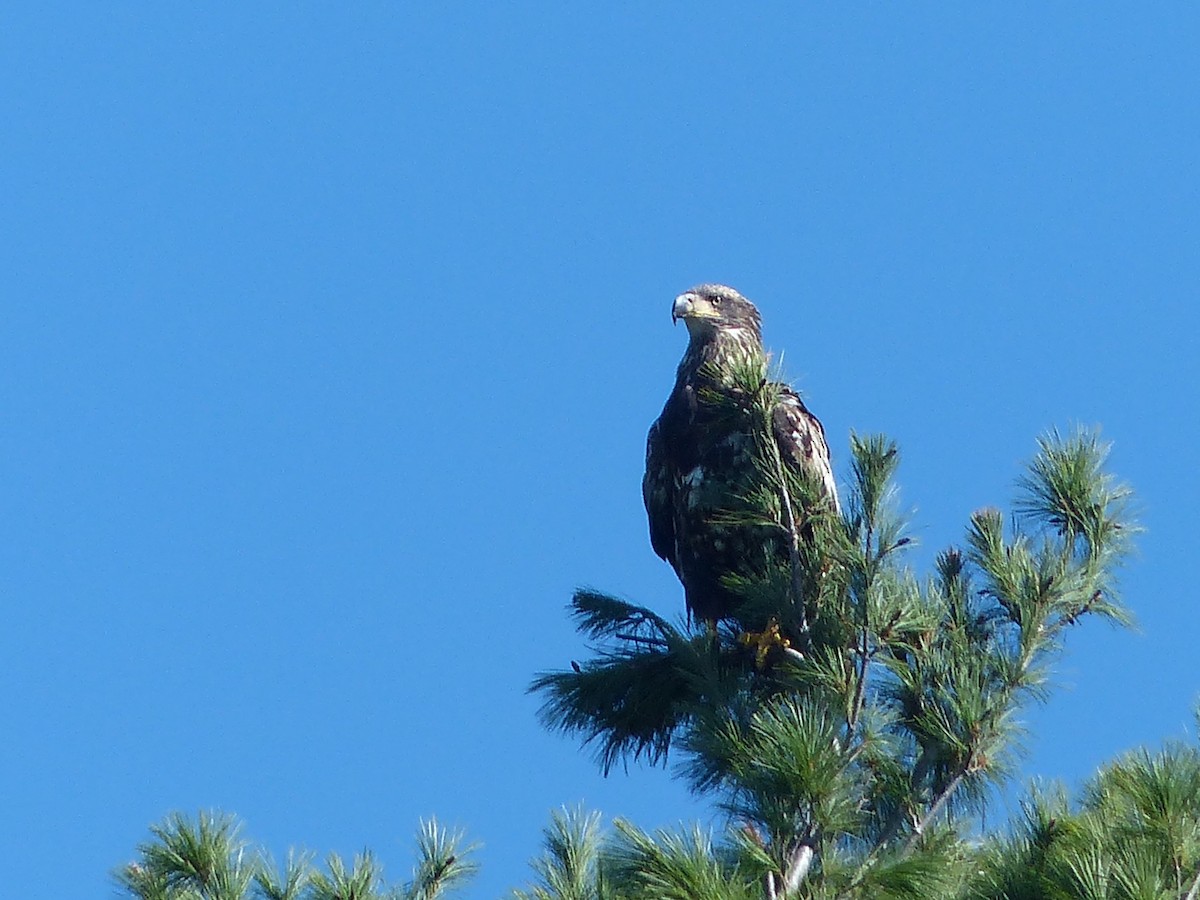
<point>703,456</point>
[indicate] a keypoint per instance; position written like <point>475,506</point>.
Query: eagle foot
<point>765,641</point>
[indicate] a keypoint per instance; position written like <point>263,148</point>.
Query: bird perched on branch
<point>735,461</point>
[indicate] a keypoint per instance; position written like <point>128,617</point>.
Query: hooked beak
<point>682,307</point>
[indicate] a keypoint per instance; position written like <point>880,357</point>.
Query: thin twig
<point>861,687</point>
<point>892,827</point>
<point>1073,617</point>
<point>638,639</point>
<point>936,807</point>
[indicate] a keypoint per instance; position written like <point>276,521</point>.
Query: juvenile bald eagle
<point>702,457</point>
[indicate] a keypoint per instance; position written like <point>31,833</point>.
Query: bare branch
<point>799,863</point>
<point>638,639</point>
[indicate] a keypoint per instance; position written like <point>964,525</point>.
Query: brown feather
<point>698,459</point>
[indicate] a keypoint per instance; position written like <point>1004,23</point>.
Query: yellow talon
<point>764,640</point>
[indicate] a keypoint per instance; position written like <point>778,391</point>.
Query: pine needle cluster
<point>206,858</point>
<point>1134,834</point>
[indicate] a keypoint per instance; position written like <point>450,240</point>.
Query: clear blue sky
<point>331,333</point>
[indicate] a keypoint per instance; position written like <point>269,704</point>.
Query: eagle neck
<point>723,348</point>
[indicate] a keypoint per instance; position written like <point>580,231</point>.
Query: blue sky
<point>331,335</point>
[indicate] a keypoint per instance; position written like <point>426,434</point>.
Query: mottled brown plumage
<point>702,458</point>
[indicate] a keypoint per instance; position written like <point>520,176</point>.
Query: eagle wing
<point>801,440</point>
<point>658,493</point>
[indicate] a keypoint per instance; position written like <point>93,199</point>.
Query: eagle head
<point>708,309</point>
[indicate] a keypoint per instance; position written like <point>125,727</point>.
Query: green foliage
<point>853,715</point>
<point>290,884</point>
<point>569,867</point>
<point>631,698</point>
<point>782,770</point>
<point>443,862</point>
<point>206,859</point>
<point>850,718</point>
<point>683,866</point>
<point>1134,834</point>
<point>185,860</point>
<point>363,880</point>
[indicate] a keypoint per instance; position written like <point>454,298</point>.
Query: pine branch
<point>637,639</point>
<point>936,807</point>
<point>205,856</point>
<point>569,866</point>
<point>1075,615</point>
<point>860,689</point>
<point>793,534</point>
<point>875,460</point>
<point>892,709</point>
<point>865,655</point>
<point>289,885</point>
<point>896,820</point>
<point>444,861</point>
<point>799,864</point>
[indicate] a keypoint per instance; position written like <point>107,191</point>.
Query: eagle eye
<point>716,301</point>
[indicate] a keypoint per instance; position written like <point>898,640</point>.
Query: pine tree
<point>853,716</point>
<point>1134,834</point>
<point>850,720</point>
<point>207,859</point>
